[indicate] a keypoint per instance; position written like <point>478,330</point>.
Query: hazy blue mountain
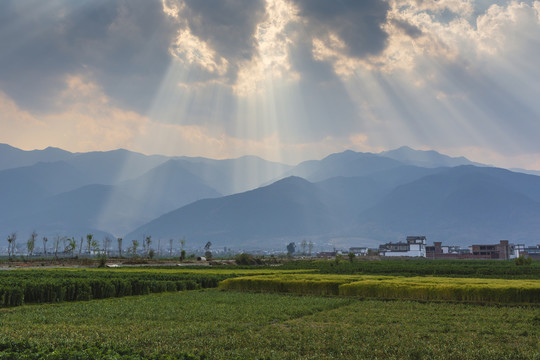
<point>360,197</point>
<point>347,197</point>
<point>286,210</point>
<point>111,209</point>
<point>461,206</point>
<point>232,176</point>
<point>167,187</point>
<point>357,164</point>
<point>111,167</point>
<point>263,217</point>
<point>347,164</point>
<point>145,187</point>
<point>11,157</point>
<point>21,187</point>
<point>396,176</point>
<point>426,158</point>
<point>91,208</point>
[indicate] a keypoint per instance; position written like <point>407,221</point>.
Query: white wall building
<point>414,247</point>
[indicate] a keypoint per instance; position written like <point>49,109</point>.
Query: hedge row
<point>387,287</point>
<point>22,287</point>
<point>446,268</point>
<point>322,287</point>
<point>210,279</point>
<point>498,291</point>
<point>76,289</point>
<point>314,284</point>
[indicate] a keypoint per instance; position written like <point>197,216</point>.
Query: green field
<point>18,287</point>
<point>180,316</point>
<point>219,324</point>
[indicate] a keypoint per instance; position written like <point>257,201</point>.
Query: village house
<point>531,251</point>
<point>414,247</point>
<point>502,251</point>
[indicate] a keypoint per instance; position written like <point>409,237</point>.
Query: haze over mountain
<point>345,199</point>
<point>231,176</point>
<point>347,163</point>
<point>425,158</point>
<point>130,188</point>
<point>11,157</point>
<point>291,207</point>
<point>459,206</point>
<point>97,209</point>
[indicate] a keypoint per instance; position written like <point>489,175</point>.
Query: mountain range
<point>345,199</point>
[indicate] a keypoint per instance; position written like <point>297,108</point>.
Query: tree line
<point>89,245</point>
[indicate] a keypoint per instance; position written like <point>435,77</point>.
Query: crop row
<point>394,287</point>
<point>241,325</point>
<point>35,286</point>
<point>447,268</point>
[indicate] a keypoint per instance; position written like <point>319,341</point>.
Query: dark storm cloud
<point>228,26</point>
<point>357,23</point>
<point>122,45</point>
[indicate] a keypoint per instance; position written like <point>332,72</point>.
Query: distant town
<point>416,246</point>
<point>412,247</point>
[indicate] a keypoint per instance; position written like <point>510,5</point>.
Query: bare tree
<point>310,247</point>
<point>80,245</point>
<point>45,245</point>
<point>31,243</point>
<point>207,252</point>
<point>170,246</point>
<point>11,244</point>
<point>89,238</point>
<point>182,251</point>
<point>303,244</point>
<point>64,244</point>
<point>119,246</point>
<point>107,245</point>
<point>56,244</point>
<point>147,242</point>
<point>182,243</point>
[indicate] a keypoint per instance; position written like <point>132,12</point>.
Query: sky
<point>287,80</point>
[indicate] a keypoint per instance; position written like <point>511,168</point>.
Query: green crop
<point>211,324</point>
<point>424,267</point>
<point>19,287</point>
<point>46,286</point>
<point>394,287</point>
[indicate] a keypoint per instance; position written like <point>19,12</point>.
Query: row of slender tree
<point>89,246</point>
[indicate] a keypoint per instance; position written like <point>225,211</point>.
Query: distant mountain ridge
<point>347,198</point>
<point>460,206</point>
<point>123,187</point>
<point>426,158</point>
<point>11,157</point>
